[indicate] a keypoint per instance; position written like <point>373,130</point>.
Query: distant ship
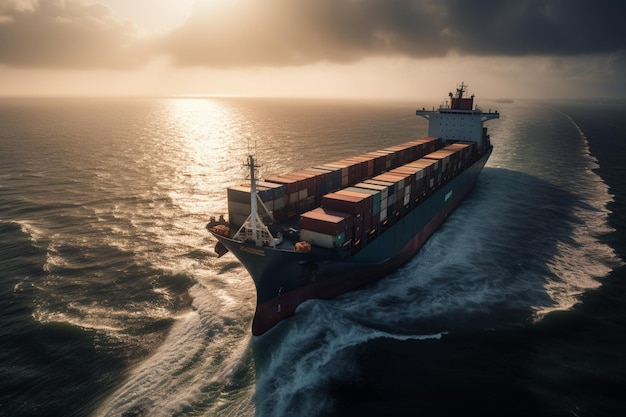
<point>320,232</point>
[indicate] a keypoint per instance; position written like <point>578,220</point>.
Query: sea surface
<point>113,302</point>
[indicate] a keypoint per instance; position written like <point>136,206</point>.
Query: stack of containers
<point>395,192</point>
<point>405,153</point>
<point>326,228</point>
<point>429,168</point>
<point>415,177</point>
<point>323,182</point>
<point>343,170</point>
<point>412,150</point>
<point>382,161</point>
<point>450,160</point>
<point>366,165</point>
<point>334,177</point>
<point>356,204</point>
<point>294,190</point>
<point>352,170</point>
<point>306,191</point>
<point>467,151</point>
<point>354,207</point>
<point>428,145</point>
<point>383,192</point>
<point>404,183</point>
<point>289,194</point>
<point>372,217</point>
<point>272,195</point>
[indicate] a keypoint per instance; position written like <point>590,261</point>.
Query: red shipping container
<point>324,221</point>
<point>345,203</point>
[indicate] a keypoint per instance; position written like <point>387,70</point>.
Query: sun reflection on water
<point>208,138</point>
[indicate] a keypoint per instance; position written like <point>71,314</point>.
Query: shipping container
<point>326,228</point>
<point>431,171</point>
<point>391,187</point>
<point>326,221</point>
<point>450,161</point>
<point>291,185</point>
<point>344,169</point>
<point>239,197</point>
<point>306,183</point>
<point>400,181</point>
<point>335,173</point>
<point>323,240</point>
<point>382,189</point>
<point>380,161</point>
<point>345,203</point>
<point>467,149</point>
<point>368,162</point>
<point>278,190</point>
<point>323,182</point>
<point>238,193</point>
<point>376,195</point>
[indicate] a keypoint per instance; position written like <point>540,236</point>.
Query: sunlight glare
<point>204,132</point>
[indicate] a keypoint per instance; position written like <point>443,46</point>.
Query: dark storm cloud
<point>531,27</point>
<point>64,34</point>
<point>288,32</point>
<point>245,33</point>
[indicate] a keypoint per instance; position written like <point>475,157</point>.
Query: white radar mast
<point>253,229</point>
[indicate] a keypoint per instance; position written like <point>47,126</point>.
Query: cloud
<point>283,32</point>
<point>288,33</point>
<point>65,34</point>
<point>74,34</point>
<point>537,27</point>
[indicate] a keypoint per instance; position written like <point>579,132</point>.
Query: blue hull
<point>284,278</point>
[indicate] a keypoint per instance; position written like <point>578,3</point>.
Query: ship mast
<point>254,212</point>
<point>254,229</point>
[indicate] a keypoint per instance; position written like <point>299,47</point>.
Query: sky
<point>387,49</point>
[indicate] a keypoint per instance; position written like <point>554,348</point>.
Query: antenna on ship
<point>461,90</point>
<point>444,122</point>
<point>254,230</point>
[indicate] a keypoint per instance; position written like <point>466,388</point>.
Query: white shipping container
<point>318,239</point>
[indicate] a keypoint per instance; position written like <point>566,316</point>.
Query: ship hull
<point>284,279</point>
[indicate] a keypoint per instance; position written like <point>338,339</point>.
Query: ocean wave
<point>297,361</point>
<point>204,365</point>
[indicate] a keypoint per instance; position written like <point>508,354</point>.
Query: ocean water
<point>114,304</point>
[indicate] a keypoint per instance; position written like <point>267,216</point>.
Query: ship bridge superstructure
<point>458,119</point>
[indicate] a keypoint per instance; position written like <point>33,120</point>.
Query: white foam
<point>310,354</point>
<point>196,364</point>
<point>457,274</point>
<point>36,232</point>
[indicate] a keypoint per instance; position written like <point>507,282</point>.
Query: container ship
<point>322,231</point>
